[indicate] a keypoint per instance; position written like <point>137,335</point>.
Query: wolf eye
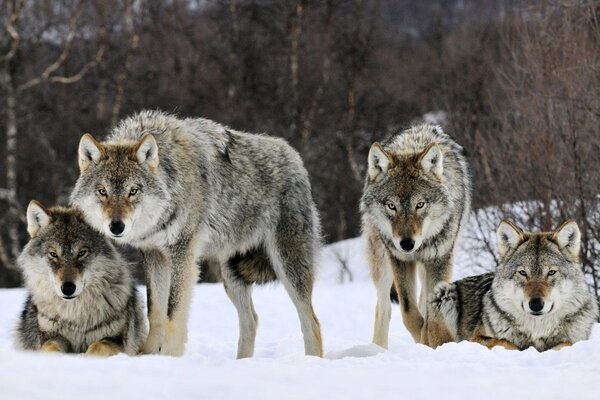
<point>133,191</point>
<point>53,254</point>
<point>522,273</point>
<point>102,192</point>
<point>82,253</point>
<point>552,272</point>
<point>391,206</point>
<point>420,204</point>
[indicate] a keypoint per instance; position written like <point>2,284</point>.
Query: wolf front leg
<point>405,280</point>
<point>158,283</point>
<point>381,274</point>
<point>437,270</point>
<point>105,348</point>
<point>56,345</point>
<point>184,276</point>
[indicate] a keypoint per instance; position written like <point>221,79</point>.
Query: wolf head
<point>118,188</point>
<point>539,273</point>
<point>404,195</point>
<point>64,255</point>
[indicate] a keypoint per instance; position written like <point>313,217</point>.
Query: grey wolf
<point>180,189</point>
<point>416,198</point>
<point>538,296</point>
<point>81,295</point>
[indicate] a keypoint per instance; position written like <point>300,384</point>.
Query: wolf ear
<point>90,151</point>
<point>379,160</point>
<point>568,238</point>
<point>146,151</point>
<point>37,218</point>
<point>431,161</point>
<point>509,237</point>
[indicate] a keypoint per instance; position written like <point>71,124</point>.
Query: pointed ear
<point>37,218</point>
<point>509,237</point>
<point>379,160</point>
<point>431,161</point>
<point>90,151</point>
<point>568,238</point>
<point>146,151</point>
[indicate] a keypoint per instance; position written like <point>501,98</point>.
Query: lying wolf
<point>180,189</point>
<point>538,297</point>
<point>81,295</point>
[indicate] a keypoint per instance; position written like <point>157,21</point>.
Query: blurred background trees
<point>516,82</point>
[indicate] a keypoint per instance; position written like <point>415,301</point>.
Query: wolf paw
<point>444,295</point>
<point>103,349</point>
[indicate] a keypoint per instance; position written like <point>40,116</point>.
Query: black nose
<point>68,288</point>
<point>116,227</point>
<point>407,244</point>
<point>536,305</point>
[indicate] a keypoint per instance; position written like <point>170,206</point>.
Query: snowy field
<point>352,368</point>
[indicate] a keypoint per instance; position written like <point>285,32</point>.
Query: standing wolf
<point>416,198</point>
<point>181,188</point>
<point>538,296</point>
<point>81,295</point>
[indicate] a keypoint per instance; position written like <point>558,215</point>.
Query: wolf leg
<point>56,345</point>
<point>436,271</point>
<point>405,280</point>
<point>562,345</point>
<point>158,281</point>
<point>293,266</point>
<point>442,315</point>
<point>381,273</point>
<point>240,294</point>
<point>104,348</point>
<point>184,277</point>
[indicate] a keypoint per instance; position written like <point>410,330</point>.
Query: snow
<point>352,368</point>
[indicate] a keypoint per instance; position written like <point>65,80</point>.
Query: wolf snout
<point>68,288</point>
<point>407,244</point>
<point>116,227</point>
<point>536,305</point>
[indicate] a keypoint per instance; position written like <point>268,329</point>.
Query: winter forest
<point>515,82</point>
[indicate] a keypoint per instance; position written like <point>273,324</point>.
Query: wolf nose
<point>116,227</point>
<point>68,288</point>
<point>536,305</point>
<point>407,244</point>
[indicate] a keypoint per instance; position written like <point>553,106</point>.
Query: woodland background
<point>515,82</point>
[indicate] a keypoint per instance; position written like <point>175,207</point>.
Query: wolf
<point>81,295</point>
<point>416,199</point>
<point>537,298</point>
<point>181,189</point>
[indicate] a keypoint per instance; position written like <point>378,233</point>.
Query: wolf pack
<point>185,190</point>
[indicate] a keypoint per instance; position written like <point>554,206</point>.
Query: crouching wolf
<point>181,188</point>
<point>81,295</point>
<point>416,198</point>
<point>537,297</point>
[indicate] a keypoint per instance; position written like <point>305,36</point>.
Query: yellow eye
<point>102,192</point>
<point>53,254</point>
<point>82,253</point>
<point>133,191</point>
<point>552,272</point>
<point>420,204</point>
<point>391,206</point>
<point>522,273</point>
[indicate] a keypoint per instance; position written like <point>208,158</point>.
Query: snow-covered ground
<point>352,368</point>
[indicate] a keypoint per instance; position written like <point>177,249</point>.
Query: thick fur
<point>104,316</point>
<point>418,188</point>
<point>190,188</point>
<point>493,309</point>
